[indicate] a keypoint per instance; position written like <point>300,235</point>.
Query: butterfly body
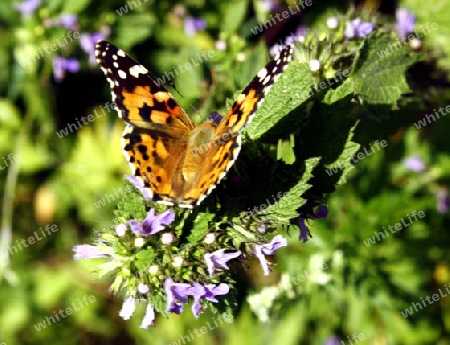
<point>177,162</point>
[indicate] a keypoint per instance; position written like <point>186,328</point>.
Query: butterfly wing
<point>224,147</point>
<point>155,139</point>
<point>139,98</point>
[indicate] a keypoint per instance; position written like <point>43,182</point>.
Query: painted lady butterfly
<point>175,161</point>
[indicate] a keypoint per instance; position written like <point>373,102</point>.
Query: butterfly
<point>174,161</point>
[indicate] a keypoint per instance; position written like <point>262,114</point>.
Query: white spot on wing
<point>137,69</point>
<point>121,53</point>
<point>122,74</point>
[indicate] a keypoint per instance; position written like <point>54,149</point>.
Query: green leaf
<point>133,29</point>
<point>201,227</point>
<point>290,91</point>
<point>144,258</point>
<point>233,17</point>
<point>74,6</point>
<point>378,73</point>
<point>286,207</point>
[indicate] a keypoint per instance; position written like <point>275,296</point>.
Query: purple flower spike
<point>86,251</point>
<point>215,117</point>
<point>297,36</point>
<point>218,260</point>
<point>322,211</point>
<point>405,22</point>
<point>88,42</point>
<point>414,163</point>
<point>153,224</point>
<point>333,340</point>
<point>268,249</point>
<point>176,292</point>
<point>27,7</point>
<point>304,231</point>
<point>149,317</point>
<point>211,291</point>
<point>443,201</point>
<point>271,5</point>
<point>128,307</point>
<point>192,25</point>
<point>356,29</point>
<point>137,182</point>
<point>207,292</point>
<point>68,21</point>
<point>61,65</point>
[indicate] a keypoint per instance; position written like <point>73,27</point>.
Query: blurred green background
<point>51,175</point>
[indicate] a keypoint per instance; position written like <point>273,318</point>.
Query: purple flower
<point>176,292</point>
<point>27,7</point>
<point>86,251</point>
<point>320,213</point>
<point>304,231</point>
<point>61,65</point>
<point>443,201</point>
<point>356,29</point>
<point>149,317</point>
<point>137,182</point>
<point>268,249</point>
<point>275,49</point>
<point>271,5</point>
<point>333,340</point>
<point>128,307</point>
<point>414,163</point>
<point>218,260</point>
<point>207,292</point>
<point>67,20</point>
<point>215,117</point>
<point>152,224</point>
<point>192,25</point>
<point>297,36</point>
<point>405,22</point>
<point>88,42</point>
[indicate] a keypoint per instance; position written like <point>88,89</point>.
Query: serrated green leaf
<point>378,73</point>
<point>286,207</point>
<point>291,90</point>
<point>144,258</point>
<point>201,227</point>
<point>342,163</point>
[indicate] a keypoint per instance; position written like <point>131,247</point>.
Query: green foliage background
<point>59,180</point>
